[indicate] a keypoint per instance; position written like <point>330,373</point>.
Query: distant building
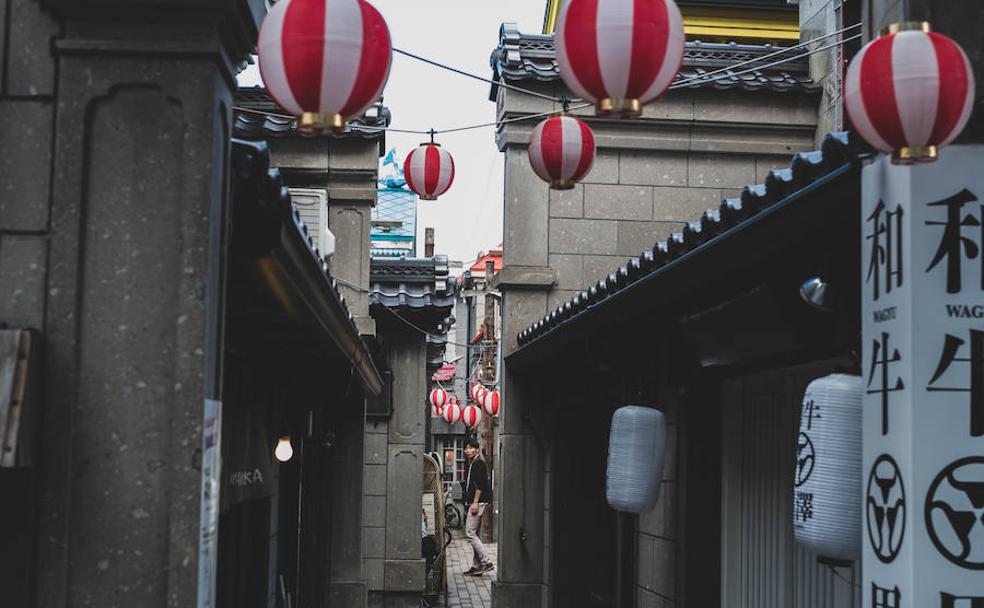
<point>394,218</point>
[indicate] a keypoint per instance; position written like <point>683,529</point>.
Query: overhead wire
<point>700,79</point>
<point>504,85</point>
<point>780,51</point>
<point>691,83</point>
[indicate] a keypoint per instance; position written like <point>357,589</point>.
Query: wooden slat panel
<point>16,428</point>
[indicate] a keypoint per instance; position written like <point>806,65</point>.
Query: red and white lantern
<point>325,61</point>
<point>474,390</point>
<point>562,150</point>
<point>491,403</point>
<point>437,411</point>
<point>619,54</point>
<point>471,416</point>
<point>429,171</point>
<point>438,397</point>
<point>452,413</point>
<point>910,92</point>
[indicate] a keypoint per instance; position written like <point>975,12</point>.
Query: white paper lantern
<point>635,458</point>
<point>827,494</point>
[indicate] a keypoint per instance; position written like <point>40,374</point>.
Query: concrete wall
<point>690,150</point>
<point>112,197</point>
<point>818,18</point>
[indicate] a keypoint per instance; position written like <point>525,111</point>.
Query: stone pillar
<point>346,170</point>
<point>523,281</point>
<point>399,477</point>
<point>128,238</point>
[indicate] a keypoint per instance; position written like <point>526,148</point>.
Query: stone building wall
<point>690,150</point>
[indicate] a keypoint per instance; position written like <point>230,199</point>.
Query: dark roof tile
<point>805,168</point>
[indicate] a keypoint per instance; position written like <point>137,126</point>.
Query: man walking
<point>478,496</point>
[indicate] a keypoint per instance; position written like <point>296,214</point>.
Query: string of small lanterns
<point>447,406</point>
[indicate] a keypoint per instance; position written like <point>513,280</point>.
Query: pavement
<point>466,591</point>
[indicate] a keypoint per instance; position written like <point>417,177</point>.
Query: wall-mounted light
<point>818,293</point>
<point>284,450</point>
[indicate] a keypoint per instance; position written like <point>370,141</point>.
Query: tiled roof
<point>522,56</point>
<point>807,167</point>
<point>257,116</point>
<point>412,283</point>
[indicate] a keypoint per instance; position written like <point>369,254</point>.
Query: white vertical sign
<point>208,540</point>
<point>923,363</point>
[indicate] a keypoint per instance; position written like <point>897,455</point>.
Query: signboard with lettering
<point>923,364</point>
<point>208,537</point>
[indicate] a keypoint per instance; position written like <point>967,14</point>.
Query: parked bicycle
<point>452,514</point>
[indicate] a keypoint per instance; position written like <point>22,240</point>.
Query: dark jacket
<point>477,478</point>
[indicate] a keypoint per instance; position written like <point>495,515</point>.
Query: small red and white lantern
<point>324,61</point>
<point>562,150</point>
<point>452,413</point>
<point>429,171</point>
<point>438,397</point>
<point>471,416</point>
<point>475,387</point>
<point>619,54</point>
<point>490,403</point>
<point>437,411</point>
<point>909,92</point>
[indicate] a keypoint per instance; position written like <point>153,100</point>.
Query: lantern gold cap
<point>431,143</point>
<point>915,154</point>
<point>906,26</point>
<point>562,184</point>
<point>316,122</point>
<point>427,198</point>
<point>627,108</point>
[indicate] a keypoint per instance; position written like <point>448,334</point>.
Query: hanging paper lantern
<point>480,395</point>
<point>910,92</point>
<point>471,416</point>
<point>429,171</point>
<point>437,411</point>
<point>438,397</point>
<point>619,54</point>
<point>474,390</point>
<point>490,403</point>
<point>325,61</point>
<point>827,494</point>
<point>562,150</point>
<point>636,444</point>
<point>452,413</point>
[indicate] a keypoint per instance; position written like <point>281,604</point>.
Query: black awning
<point>817,196</point>
<point>285,297</point>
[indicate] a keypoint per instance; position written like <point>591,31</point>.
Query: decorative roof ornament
<point>429,170</point>
<point>561,151</point>
<point>910,113</point>
<point>324,61</point>
<point>619,54</point>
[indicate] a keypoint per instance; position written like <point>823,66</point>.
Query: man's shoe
<point>473,571</point>
<point>483,569</point>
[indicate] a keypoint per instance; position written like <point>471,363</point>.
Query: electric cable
<point>781,51</point>
<point>692,83</point>
<point>504,85</point>
<point>700,79</point>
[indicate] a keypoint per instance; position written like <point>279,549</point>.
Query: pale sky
<point>460,33</point>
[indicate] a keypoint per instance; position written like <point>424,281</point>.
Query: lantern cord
<point>782,51</point>
<point>698,80</point>
<point>516,119</point>
<point>504,85</point>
